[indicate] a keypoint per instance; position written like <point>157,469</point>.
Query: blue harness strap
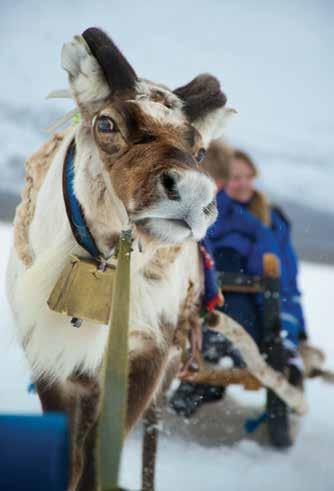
<point>73,208</point>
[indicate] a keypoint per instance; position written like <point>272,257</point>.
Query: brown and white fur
<point>137,144</point>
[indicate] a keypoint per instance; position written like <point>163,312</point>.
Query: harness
<point>74,210</point>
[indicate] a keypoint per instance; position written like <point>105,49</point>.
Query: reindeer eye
<point>105,125</point>
<point>201,154</point>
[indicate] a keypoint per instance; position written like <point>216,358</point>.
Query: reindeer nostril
<point>169,182</point>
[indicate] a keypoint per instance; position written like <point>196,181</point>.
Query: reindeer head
<point>150,141</point>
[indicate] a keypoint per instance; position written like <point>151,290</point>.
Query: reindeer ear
<point>97,70</point>
<point>204,105</point>
<point>212,125</point>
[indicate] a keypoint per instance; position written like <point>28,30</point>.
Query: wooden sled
<point>269,373</point>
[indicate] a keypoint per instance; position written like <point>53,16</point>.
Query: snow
<point>274,60</point>
<point>211,452</point>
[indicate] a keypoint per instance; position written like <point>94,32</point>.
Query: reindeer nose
<point>169,182</point>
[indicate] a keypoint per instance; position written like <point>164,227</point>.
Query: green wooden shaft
<point>115,374</point>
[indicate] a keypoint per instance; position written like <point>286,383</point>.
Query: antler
<point>201,96</point>
<point>117,70</point>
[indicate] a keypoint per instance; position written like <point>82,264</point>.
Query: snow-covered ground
<point>211,452</point>
<point>274,60</point>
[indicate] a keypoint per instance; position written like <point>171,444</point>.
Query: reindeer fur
<point>147,162</point>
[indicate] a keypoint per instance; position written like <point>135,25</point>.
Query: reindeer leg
<point>84,438</point>
<point>78,398</point>
<point>51,397</point>
<point>89,478</point>
<point>145,371</point>
<point>149,446</point>
<point>54,398</point>
<point>151,420</point>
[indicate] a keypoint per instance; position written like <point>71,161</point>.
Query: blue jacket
<point>237,229</point>
<point>291,310</point>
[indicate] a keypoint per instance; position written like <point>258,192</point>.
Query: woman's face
<point>240,185</point>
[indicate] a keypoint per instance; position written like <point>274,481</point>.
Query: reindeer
<point>138,146</point>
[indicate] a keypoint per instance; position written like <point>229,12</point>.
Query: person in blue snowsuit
<point>246,228</point>
<point>238,241</point>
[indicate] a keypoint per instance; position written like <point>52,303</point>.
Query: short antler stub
<point>117,70</point>
<point>201,96</point>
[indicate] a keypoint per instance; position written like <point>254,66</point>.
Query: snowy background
<point>276,64</point>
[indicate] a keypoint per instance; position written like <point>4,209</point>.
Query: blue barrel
<point>34,452</point>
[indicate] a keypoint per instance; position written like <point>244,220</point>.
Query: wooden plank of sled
<point>256,365</point>
<point>241,288</point>
<point>223,377</point>
<point>231,282</point>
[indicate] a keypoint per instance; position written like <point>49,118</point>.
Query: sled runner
<point>278,402</point>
